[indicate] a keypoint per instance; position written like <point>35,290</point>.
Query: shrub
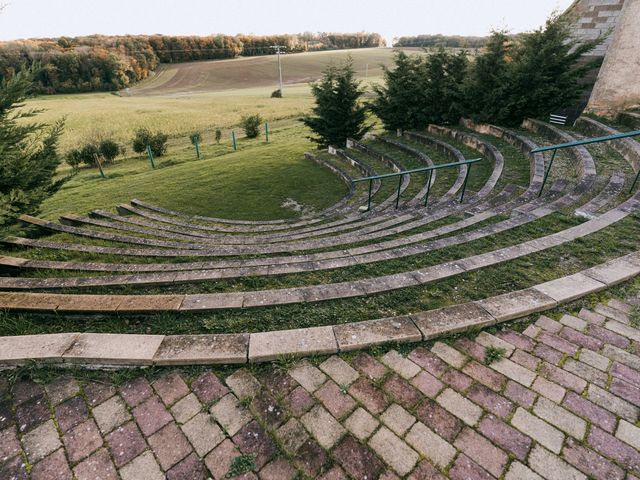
<point>195,137</point>
<point>493,354</point>
<point>157,141</point>
<point>109,150</point>
<point>218,135</point>
<point>276,94</point>
<point>251,125</point>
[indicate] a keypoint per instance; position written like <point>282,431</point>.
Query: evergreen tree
<point>338,113</point>
<point>444,73</point>
<point>28,151</point>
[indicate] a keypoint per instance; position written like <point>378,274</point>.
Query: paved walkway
<point>562,403</point>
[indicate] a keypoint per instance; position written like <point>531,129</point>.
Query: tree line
<point>107,63</point>
<point>451,41</point>
<point>528,75</point>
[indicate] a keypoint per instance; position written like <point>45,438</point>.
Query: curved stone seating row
<point>612,190</point>
<point>307,294</point>
<point>132,350</point>
<point>627,147</point>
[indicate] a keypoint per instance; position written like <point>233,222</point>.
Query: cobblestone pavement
<point>562,403</point>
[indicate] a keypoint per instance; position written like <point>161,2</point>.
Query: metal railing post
<point>635,181</point>
<point>150,155</point>
<point>426,195</point>
<point>369,201</point>
<point>546,172</point>
<point>464,184</point>
<point>399,186</point>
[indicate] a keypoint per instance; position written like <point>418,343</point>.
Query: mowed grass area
<point>251,183</point>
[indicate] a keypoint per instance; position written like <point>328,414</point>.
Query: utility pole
<point>277,49</point>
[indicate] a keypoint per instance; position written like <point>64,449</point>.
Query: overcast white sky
<point>391,18</point>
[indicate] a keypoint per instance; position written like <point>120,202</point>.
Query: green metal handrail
<point>577,143</point>
<point>429,169</point>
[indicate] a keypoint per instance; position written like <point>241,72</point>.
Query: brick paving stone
<point>32,413</point>
<point>519,394</point>
<point>581,339</point>
<point>62,388</point>
<point>151,415</point>
<point>532,331</point>
<point>609,336</point>
<point>14,469</point>
<point>480,450</point>
<point>98,392</point>
<point>361,424</point>
<point>518,471</point>
<point>449,355</point>
<point>459,406</point>
<point>71,413</point>
<point>401,365</point>
<point>6,415</point>
<point>340,371</point>
<point>519,340</point>
<point>586,372</point>
<point>594,359</point>
<point>427,384</point>
<point>370,366</point>
<point>336,473</point>
<point>564,378</point>
<point>338,402</point>
<point>308,376</point>
<point>394,451</point>
<point>188,469</point>
<point>326,430</point>
<point>298,401</point>
<point>111,414</point>
<point>432,446</point>
<point>169,446</point>
<point>401,391</point>
<point>591,317</point>
<point>487,340</point>
<point>357,460</point>
<point>590,411</point>
<point>514,371</point>
<point>489,400</point>
<point>54,466</point>
<point>612,313</point>
<point>625,390</point>
<point>142,467</point>
<point>525,359</point>
<point>26,390</point>
<point>548,324</point>
<point>279,469</point>
<point>560,418</point>
<point>464,468</point>
<point>424,471</point>
<point>292,435</point>
<point>41,441</point>
<point>552,467</point>
<point>558,343</point>
<point>470,348</point>
<point>82,441</point>
<point>232,416</point>
<point>278,383</point>
<point>610,446</point>
<point>170,388</point>
<point>266,409</point>
<point>311,458</point>
<point>505,436</point>
<point>220,459</point>
<point>439,420</point>
<point>97,467</point>
<point>136,391</point>
<point>629,433</point>
<point>613,403</point>
<point>486,376</point>
<point>389,475</point>
<point>243,384</point>
<point>208,388</point>
<point>397,419</point>
<point>574,322</point>
<point>253,439</point>
<point>622,356</point>
<point>625,373</point>
<point>547,353</point>
<point>183,410</point>
<point>9,445</point>
<point>368,395</point>
<point>125,443</point>
<point>590,463</point>
<point>550,390</point>
<point>623,329</point>
<point>457,380</point>
<point>203,433</point>
<point>538,429</point>
<point>427,360</point>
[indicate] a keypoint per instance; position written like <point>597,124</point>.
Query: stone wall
<point>593,18</point>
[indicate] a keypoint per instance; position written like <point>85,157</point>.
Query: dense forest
<point>105,63</point>
<point>454,41</point>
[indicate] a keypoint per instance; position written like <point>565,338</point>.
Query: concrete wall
<point>618,83</point>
